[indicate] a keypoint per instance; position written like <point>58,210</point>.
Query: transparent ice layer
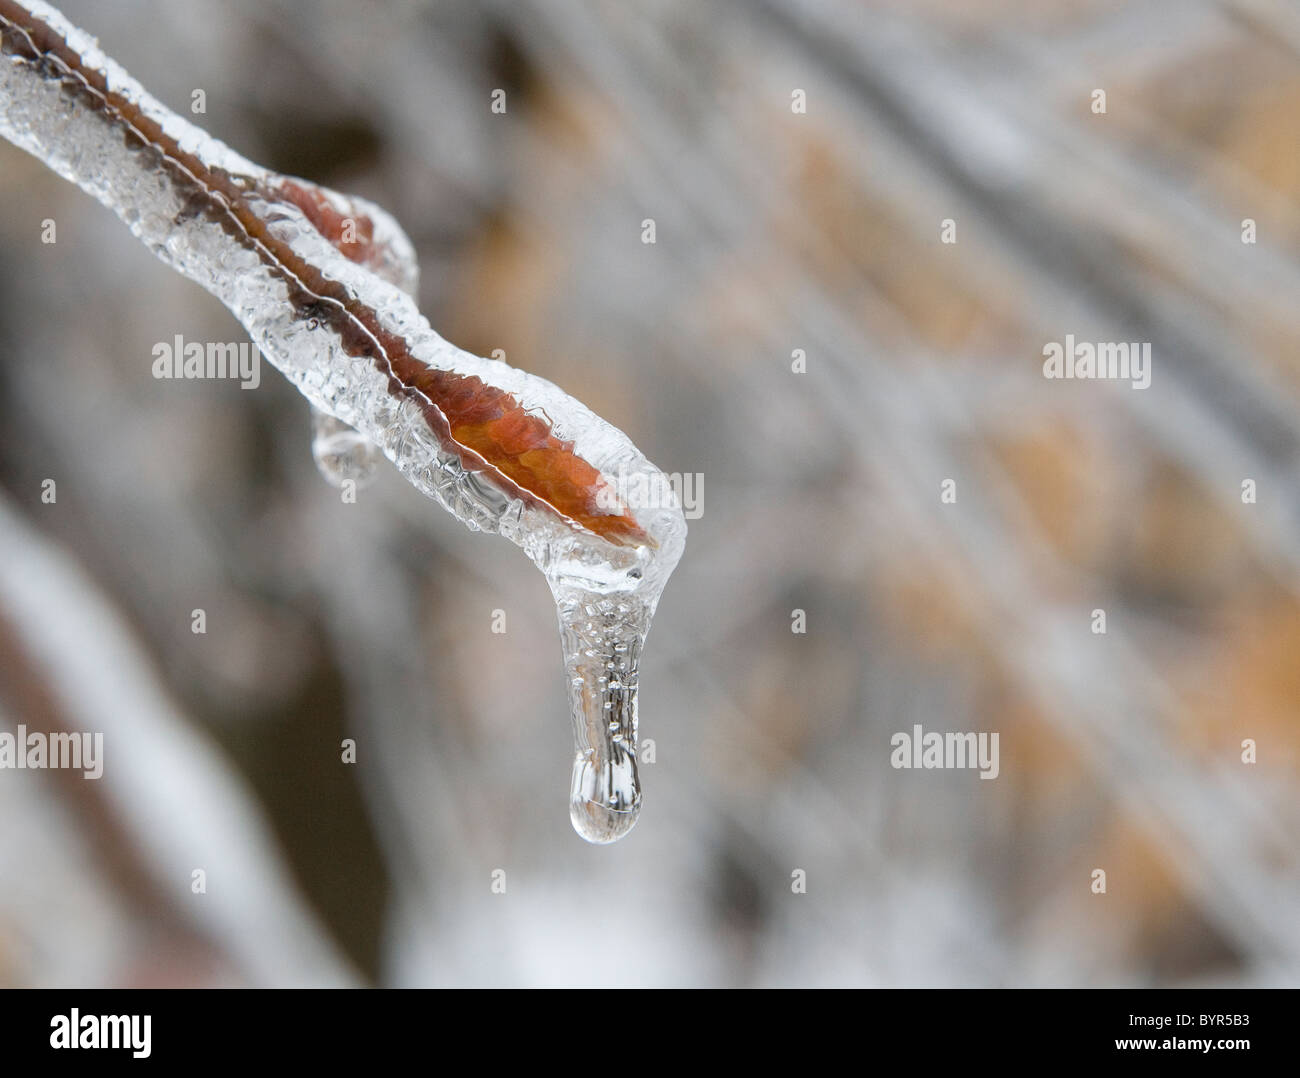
<point>605,592</point>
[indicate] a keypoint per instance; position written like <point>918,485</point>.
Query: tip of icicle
<point>599,824</point>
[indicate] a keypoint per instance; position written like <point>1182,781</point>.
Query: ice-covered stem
<point>312,277</point>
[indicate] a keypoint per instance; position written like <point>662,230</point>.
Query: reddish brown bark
<point>487,428</point>
<point>480,417</point>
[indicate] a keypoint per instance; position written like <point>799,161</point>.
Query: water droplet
<point>340,452</point>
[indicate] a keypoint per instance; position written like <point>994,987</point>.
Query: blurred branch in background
<point>167,816</point>
<point>776,231</point>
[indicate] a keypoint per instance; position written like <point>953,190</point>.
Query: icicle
<point>323,284</point>
<point>602,637</point>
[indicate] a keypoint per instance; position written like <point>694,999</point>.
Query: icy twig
<point>312,276</point>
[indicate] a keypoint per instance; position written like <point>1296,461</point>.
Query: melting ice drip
<point>602,637</point>
<point>341,454</point>
<point>221,221</point>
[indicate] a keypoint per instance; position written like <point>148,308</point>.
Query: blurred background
<point>779,235</point>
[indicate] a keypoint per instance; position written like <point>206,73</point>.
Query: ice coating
<point>501,449</point>
<point>366,235</point>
